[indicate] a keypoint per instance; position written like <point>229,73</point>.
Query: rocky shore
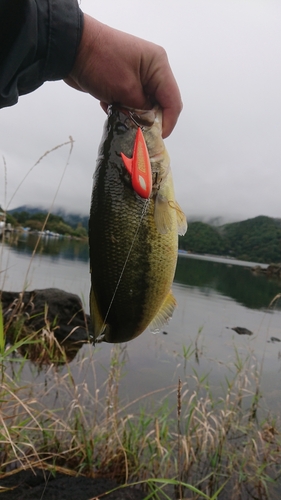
<point>272,270</point>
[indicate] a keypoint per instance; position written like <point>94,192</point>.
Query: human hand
<point>117,67</point>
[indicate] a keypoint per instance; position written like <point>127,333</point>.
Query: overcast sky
<point>226,148</point>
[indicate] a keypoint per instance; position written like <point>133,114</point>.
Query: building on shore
<point>2,222</point>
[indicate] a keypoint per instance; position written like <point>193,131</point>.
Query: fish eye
<point>121,128</point>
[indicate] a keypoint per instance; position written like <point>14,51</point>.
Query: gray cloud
<point>226,148</point>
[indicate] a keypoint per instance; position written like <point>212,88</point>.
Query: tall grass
<point>2,335</point>
<point>187,445</point>
<point>177,442</point>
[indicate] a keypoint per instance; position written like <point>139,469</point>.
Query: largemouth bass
<point>133,239</point>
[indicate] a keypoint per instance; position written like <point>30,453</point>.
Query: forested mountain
<point>35,220</point>
<point>257,239</point>
<point>203,238</point>
<point>72,219</point>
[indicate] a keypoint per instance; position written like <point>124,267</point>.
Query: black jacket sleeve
<point>38,42</point>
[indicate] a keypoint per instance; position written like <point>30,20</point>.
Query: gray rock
<point>240,330</point>
<point>60,309</point>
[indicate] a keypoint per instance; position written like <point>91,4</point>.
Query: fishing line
<point>101,335</point>
<point>45,486</point>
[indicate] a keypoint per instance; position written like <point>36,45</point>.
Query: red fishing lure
<point>139,166</point>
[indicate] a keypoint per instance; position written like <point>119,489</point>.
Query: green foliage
<point>21,217</point>
<point>202,238</point>
<point>257,239</point>
<point>11,220</point>
<point>80,231</point>
<point>55,223</point>
<point>25,212</point>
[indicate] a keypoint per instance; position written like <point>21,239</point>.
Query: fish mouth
<point>139,117</point>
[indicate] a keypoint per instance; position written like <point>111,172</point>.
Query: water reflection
<point>235,281</point>
<point>66,248</point>
<point>241,284</point>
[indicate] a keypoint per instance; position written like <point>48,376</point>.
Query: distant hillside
<point>257,239</point>
<point>73,219</point>
<point>203,238</point>
<point>35,218</point>
<point>69,218</point>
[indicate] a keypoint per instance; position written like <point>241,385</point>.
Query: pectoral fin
<point>164,314</point>
<point>162,214</point>
<point>181,219</point>
<point>99,325</point>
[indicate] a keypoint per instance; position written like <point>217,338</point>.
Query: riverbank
<point>181,441</point>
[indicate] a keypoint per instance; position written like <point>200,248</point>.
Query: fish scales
<point>132,262</point>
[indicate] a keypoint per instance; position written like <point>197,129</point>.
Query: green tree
<point>202,238</point>
<point>21,217</point>
<point>257,239</point>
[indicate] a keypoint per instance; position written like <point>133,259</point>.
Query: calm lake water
<point>212,294</point>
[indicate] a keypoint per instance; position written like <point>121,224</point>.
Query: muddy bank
<point>42,485</point>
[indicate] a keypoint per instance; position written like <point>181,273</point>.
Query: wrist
<point>86,51</point>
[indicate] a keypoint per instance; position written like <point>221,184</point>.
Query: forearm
<point>39,41</point>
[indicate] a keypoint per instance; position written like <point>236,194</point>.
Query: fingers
<point>171,103</point>
<point>170,118</point>
<point>104,106</point>
<point>114,66</point>
<point>162,87</point>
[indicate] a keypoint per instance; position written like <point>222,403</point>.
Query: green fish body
<point>133,241</point>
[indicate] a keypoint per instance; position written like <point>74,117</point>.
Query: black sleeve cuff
<point>43,47</point>
<point>64,35</point>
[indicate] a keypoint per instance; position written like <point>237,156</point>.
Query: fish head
<point>125,123</point>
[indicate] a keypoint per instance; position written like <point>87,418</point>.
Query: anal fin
<point>164,314</point>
